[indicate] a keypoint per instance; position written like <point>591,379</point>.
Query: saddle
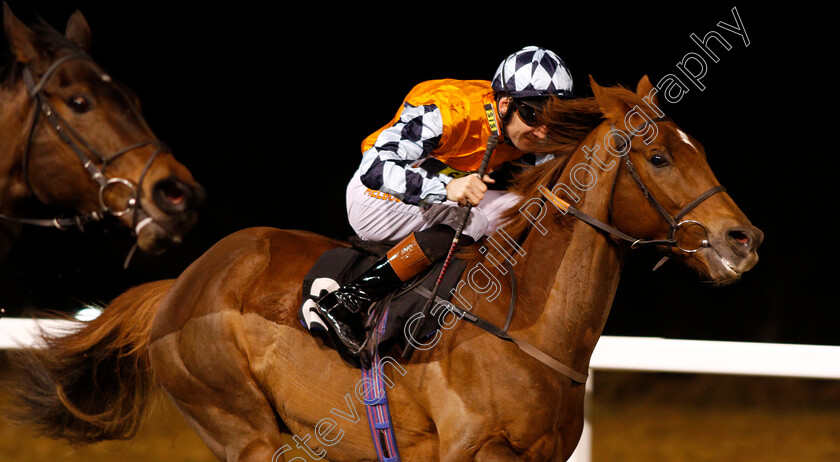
<point>336,267</point>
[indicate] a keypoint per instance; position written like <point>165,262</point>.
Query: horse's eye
<point>658,160</point>
<point>79,104</point>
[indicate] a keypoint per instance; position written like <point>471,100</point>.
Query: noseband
<point>82,148</point>
<point>675,223</point>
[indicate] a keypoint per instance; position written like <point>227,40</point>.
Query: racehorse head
<point>667,192</point>
<point>75,140</point>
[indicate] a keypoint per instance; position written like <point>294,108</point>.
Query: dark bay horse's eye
<point>658,160</point>
<point>79,104</point>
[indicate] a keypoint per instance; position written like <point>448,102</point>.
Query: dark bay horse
<point>225,343</point>
<point>73,141</point>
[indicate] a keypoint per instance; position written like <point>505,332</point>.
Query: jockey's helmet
<point>533,72</point>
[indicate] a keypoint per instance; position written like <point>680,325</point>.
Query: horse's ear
<point>22,40</point>
<point>644,89</point>
<point>613,107</point>
<point>78,31</point>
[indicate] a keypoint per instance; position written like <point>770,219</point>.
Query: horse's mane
<point>568,122</point>
<point>50,41</point>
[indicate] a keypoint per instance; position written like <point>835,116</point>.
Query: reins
<point>502,333</point>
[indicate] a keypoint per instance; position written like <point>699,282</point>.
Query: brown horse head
<point>75,140</point>
<point>666,189</point>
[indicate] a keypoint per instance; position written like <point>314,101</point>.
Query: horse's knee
<point>496,451</point>
<point>260,450</point>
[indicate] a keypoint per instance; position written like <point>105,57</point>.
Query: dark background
<point>267,106</point>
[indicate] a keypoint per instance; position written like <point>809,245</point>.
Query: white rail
<point>647,354</point>
<point>641,354</point>
<point>716,357</point>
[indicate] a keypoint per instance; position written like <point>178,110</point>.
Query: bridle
<point>81,148</point>
<point>674,222</point>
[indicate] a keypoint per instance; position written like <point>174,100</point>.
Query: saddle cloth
<point>340,266</point>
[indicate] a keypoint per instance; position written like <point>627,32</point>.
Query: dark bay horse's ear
<point>613,107</point>
<point>645,89</point>
<point>22,40</point>
<point>78,31</point>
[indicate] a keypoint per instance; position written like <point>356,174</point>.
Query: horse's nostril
<point>745,239</point>
<point>740,237</point>
<point>172,195</point>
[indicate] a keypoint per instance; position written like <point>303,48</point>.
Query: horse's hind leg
<point>204,368</point>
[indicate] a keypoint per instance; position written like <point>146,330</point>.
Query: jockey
<point>419,168</point>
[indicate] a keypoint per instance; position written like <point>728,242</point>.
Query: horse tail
<point>95,383</point>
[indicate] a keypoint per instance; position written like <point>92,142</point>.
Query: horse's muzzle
<point>733,252</point>
<point>171,211</point>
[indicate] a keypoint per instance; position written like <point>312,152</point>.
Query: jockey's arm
<point>388,165</point>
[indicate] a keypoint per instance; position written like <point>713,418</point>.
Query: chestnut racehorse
<point>74,142</point>
<point>225,343</point>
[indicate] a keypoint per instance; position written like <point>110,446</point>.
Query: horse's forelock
<point>50,42</point>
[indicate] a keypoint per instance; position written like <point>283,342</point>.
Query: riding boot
<point>345,310</point>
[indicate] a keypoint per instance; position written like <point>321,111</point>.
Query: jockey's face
<point>523,136</point>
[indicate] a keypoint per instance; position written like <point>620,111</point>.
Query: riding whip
<point>492,141</point>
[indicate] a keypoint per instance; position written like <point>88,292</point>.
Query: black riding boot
<point>345,310</point>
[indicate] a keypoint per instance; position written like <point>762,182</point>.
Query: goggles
<point>528,112</point>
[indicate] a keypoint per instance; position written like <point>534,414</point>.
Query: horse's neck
<point>572,274</point>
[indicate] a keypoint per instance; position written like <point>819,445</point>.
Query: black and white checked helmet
<point>533,71</point>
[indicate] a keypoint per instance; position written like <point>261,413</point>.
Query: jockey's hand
<point>469,188</point>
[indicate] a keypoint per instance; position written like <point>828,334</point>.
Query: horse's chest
<point>499,394</point>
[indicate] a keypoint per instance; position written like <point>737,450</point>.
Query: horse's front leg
<point>544,449</point>
<point>496,451</point>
